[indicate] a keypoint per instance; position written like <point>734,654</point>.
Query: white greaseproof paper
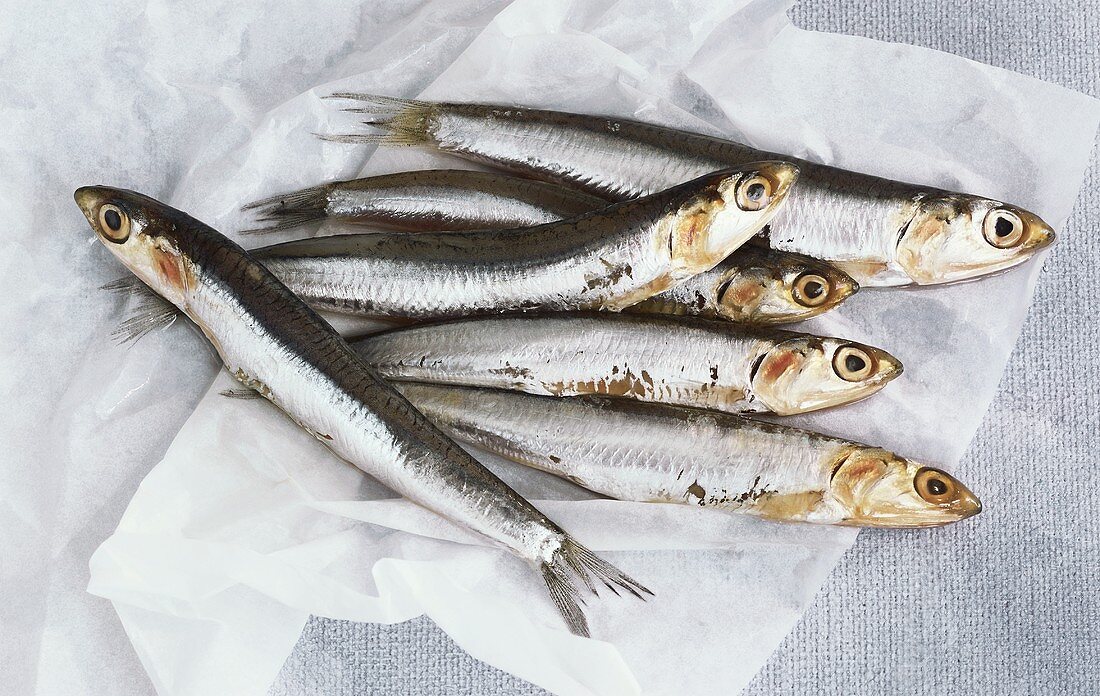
<point>248,525</point>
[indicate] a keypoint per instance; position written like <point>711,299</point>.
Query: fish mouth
<point>973,506</point>
<point>889,367</point>
<point>1040,234</point>
<point>89,199</point>
<point>845,288</point>
<point>1041,239</point>
<point>783,176</point>
<point>911,520</point>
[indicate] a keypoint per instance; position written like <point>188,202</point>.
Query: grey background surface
<point>1008,603</point>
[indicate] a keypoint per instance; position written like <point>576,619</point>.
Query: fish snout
<point>89,199</point>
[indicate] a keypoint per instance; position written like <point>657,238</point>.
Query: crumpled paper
<point>246,526</point>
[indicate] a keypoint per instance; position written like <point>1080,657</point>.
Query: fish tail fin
<point>407,122</point>
<point>572,562</point>
<point>290,209</point>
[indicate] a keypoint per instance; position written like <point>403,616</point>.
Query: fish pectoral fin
<point>152,311</point>
<point>242,393</point>
<point>127,286</point>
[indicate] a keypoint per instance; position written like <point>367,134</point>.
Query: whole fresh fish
<point>668,454</point>
<point>430,200</point>
<point>606,260</point>
<point>756,285</point>
<point>752,285</point>
<point>271,342</point>
<point>676,360</point>
<point>880,232</point>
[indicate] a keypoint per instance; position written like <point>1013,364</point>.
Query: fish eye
<point>114,222</point>
<point>1003,228</point>
<point>811,290</point>
<point>853,364</point>
<point>754,193</point>
<point>934,486</point>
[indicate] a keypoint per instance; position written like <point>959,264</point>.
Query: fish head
<point>956,237</point>
<point>804,373</point>
<point>148,237</point>
<point>876,488</point>
<point>774,288</point>
<point>728,208</point>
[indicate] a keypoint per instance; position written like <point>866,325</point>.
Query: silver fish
<point>880,232</point>
<point>606,260</point>
<point>652,453</point>
<point>272,343</point>
<point>756,285</point>
<point>675,360</point>
<point>429,200</point>
<point>752,285</point>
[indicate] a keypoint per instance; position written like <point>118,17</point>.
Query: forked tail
<point>571,562</point>
<point>405,121</point>
<point>290,209</point>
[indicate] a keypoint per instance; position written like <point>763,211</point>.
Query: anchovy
<point>756,285</point>
<point>430,200</point>
<point>880,232</point>
<point>653,453</point>
<point>606,260</point>
<point>274,344</point>
<point>752,285</point>
<point>676,360</point>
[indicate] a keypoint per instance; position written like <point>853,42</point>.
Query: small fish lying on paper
<point>756,285</point>
<point>428,200</point>
<point>606,260</point>
<point>676,360</point>
<point>880,232</point>
<point>274,344</point>
<point>668,454</point>
<point>752,285</point>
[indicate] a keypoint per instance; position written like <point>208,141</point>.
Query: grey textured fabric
<point>1004,604</point>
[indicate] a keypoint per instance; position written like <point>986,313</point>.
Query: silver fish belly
<point>881,232</point>
<point>428,200</point>
<point>271,342</point>
<point>652,453</point>
<point>685,361</point>
<point>606,260</point>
